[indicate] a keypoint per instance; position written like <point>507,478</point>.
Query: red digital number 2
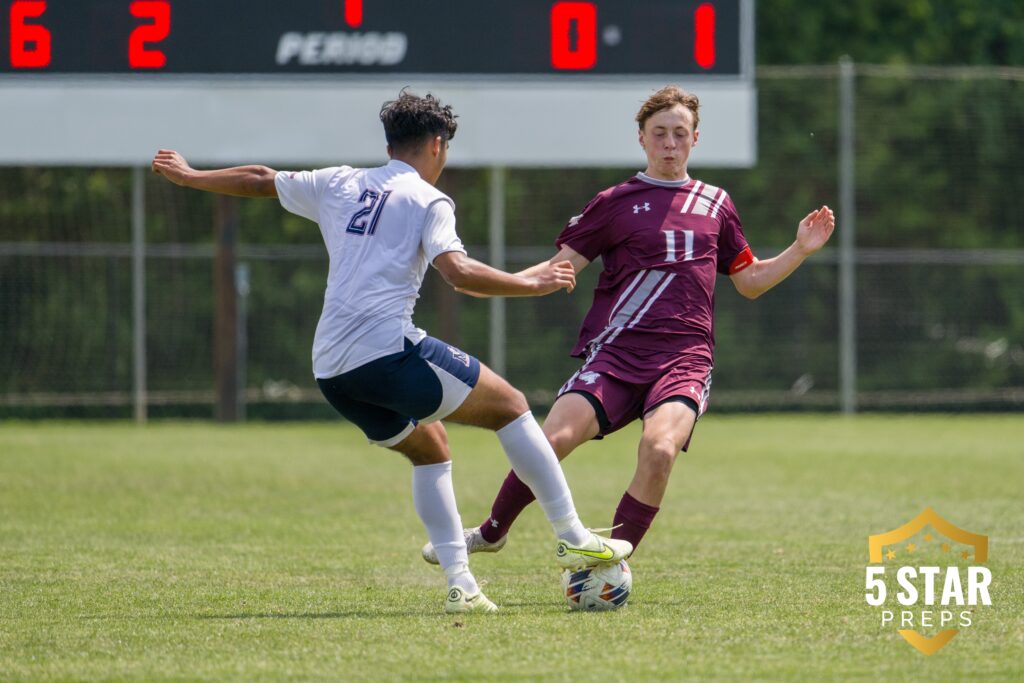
<point>30,43</point>
<point>139,56</point>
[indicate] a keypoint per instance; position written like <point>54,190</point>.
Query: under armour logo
<point>693,391</point>
<point>590,377</point>
<point>494,524</point>
<point>645,207</point>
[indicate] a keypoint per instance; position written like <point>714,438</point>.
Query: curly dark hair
<point>411,120</point>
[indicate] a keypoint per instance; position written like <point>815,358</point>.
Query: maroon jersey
<point>662,244</point>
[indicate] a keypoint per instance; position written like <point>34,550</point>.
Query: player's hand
<point>552,277</point>
<point>815,229</point>
<point>172,166</point>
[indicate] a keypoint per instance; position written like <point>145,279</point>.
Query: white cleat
<point>598,550</point>
<point>459,602</point>
<point>475,543</point>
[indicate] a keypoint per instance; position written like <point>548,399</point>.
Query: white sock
<point>434,498</point>
<point>459,575</point>
<point>535,463</point>
<point>571,529</point>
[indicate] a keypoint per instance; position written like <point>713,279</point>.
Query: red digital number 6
<point>23,35</point>
<point>139,57</point>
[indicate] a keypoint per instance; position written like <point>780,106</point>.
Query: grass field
<point>266,552</point>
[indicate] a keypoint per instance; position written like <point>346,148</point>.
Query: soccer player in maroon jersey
<point>648,339</point>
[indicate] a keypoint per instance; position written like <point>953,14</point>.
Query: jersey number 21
<point>364,222</point>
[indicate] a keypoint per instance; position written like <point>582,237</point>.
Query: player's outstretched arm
<point>811,235</point>
<point>578,261</point>
<point>241,181</point>
<point>472,276</point>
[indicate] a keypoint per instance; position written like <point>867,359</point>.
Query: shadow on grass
<point>353,614</point>
<point>506,608</point>
<point>513,607</point>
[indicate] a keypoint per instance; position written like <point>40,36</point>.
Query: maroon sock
<point>512,499</point>
<point>635,519</point>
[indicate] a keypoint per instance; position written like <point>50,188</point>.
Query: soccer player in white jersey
<point>382,228</point>
<point>648,340</point>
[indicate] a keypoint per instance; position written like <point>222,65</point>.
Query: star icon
<point>891,555</point>
<point>945,547</point>
<point>929,537</point>
<point>965,554</point>
<point>911,547</point>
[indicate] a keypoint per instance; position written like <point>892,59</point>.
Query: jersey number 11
<point>670,246</point>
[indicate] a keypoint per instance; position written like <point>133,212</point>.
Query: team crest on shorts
<point>460,356</point>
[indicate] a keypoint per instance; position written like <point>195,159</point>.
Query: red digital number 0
<point>23,35</point>
<point>584,55</point>
<point>139,56</point>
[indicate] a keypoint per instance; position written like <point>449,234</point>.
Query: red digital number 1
<point>704,35</point>
<point>23,35</point>
<point>139,56</point>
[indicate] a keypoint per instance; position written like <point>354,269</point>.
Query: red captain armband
<point>742,260</point>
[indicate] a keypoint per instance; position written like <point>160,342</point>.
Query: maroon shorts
<point>628,385</point>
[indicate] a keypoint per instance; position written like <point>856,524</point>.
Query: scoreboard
<point>373,36</point>
<point>531,62</point>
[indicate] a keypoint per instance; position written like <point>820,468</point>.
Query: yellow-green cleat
<point>598,550</point>
<point>460,602</point>
<point>475,543</point>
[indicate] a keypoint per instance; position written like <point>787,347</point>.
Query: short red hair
<point>666,98</point>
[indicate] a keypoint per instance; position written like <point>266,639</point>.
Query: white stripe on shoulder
<point>718,204</point>
<point>702,205</point>
<point>694,191</point>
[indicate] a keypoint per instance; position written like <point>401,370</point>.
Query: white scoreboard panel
<point>535,82</point>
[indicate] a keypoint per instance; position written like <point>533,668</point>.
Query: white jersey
<point>382,228</point>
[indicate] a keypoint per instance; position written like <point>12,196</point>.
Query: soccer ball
<point>604,587</point>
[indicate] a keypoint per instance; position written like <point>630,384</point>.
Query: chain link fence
<point>938,312</point>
